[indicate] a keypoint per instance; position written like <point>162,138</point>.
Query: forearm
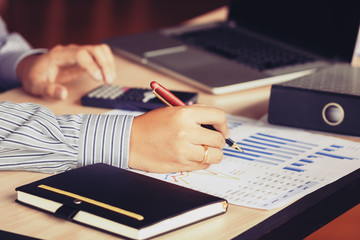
<point>33,139</point>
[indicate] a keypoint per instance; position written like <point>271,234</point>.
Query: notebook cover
<point>154,199</point>
<point>14,236</point>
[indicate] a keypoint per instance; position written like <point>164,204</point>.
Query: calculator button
<point>96,92</point>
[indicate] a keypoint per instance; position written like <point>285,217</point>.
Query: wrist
<point>24,62</point>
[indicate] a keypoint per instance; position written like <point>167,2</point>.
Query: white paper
<point>278,166</point>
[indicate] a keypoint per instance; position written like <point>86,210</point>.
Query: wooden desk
<point>248,223</point>
<point>17,218</point>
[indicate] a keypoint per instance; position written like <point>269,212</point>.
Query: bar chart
<point>278,165</point>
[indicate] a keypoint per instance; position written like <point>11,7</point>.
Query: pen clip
<point>161,98</point>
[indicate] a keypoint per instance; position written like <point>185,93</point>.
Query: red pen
<point>171,100</point>
<point>166,96</point>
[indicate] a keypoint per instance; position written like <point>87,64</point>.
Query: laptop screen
<point>327,27</point>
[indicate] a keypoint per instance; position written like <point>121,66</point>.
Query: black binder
<point>328,100</point>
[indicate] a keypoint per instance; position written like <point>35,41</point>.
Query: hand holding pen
<point>171,139</point>
<point>171,100</point>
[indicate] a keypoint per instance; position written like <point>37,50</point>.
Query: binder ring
<point>333,114</point>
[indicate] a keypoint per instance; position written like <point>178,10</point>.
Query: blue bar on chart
<point>257,153</point>
<point>296,152</point>
<point>306,160</point>
<point>235,153</point>
<point>269,150</point>
<point>281,143</point>
<point>336,146</point>
<point>294,169</point>
<point>288,140</point>
<point>284,144</point>
<point>253,159</point>
<point>297,164</point>
<point>329,149</point>
<point>334,156</point>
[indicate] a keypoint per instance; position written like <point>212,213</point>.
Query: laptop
<point>261,43</point>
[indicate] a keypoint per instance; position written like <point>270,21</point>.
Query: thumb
<point>56,91</point>
<point>53,89</point>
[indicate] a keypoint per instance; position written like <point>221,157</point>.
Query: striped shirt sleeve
<point>32,138</point>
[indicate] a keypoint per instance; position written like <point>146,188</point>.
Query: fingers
<point>214,156</point>
<point>49,87</point>
<point>153,165</point>
<point>212,116</point>
<point>208,137</point>
<point>98,61</point>
<point>105,60</point>
<point>56,91</point>
<point>196,117</point>
<point>211,156</point>
<point>180,130</point>
<point>199,154</point>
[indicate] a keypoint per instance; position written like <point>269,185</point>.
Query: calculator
<point>129,98</point>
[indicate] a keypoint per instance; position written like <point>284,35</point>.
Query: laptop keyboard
<point>244,49</point>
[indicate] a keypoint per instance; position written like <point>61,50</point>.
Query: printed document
<point>278,165</point>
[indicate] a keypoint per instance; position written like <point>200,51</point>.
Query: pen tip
<point>238,148</point>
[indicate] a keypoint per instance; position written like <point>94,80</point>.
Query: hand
<point>171,139</point>
<point>45,74</point>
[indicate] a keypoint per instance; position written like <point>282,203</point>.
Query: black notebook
<point>120,201</point>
